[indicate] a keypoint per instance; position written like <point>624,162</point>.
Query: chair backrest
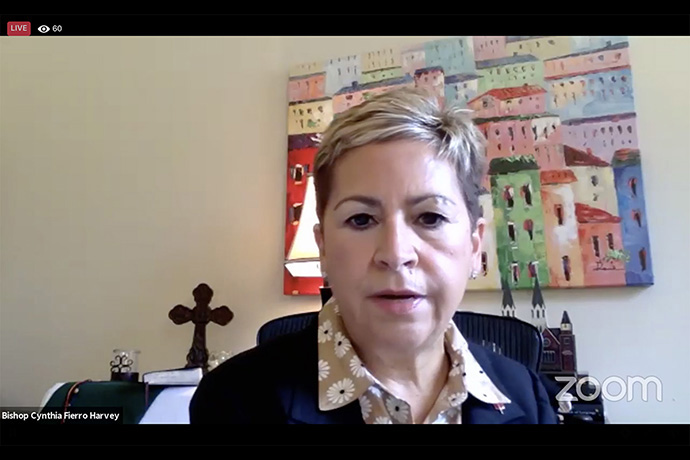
<point>511,337</point>
<point>508,336</point>
<point>285,325</point>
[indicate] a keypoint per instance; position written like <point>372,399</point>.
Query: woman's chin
<point>400,337</point>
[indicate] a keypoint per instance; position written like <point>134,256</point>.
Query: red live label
<point>18,28</point>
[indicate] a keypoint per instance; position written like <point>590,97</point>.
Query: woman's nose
<point>395,248</point>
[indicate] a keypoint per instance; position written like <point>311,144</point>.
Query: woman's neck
<point>415,376</point>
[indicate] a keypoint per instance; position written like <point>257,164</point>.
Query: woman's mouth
<point>398,302</point>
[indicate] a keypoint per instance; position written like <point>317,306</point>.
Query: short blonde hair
<point>412,114</point>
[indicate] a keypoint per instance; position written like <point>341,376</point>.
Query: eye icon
<point>43,29</point>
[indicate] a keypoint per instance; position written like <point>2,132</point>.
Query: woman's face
<point>396,244</point>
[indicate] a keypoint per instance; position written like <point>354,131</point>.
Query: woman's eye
<point>431,219</point>
<point>360,220</point>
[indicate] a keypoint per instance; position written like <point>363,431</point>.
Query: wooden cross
<point>200,315</point>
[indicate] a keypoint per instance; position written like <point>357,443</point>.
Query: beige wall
<point>134,168</point>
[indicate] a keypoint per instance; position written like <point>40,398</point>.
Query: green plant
<point>617,254</point>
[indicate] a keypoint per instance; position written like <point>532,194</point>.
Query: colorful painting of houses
<point>564,197</point>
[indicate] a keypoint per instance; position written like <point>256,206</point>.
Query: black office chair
<point>511,337</point>
<point>508,336</point>
<point>285,325</point>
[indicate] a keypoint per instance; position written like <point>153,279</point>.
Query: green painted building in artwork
<point>519,222</point>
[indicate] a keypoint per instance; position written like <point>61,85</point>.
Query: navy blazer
<point>277,383</point>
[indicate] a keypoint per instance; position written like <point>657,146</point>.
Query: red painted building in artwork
<point>504,102</point>
<point>601,243</point>
<point>489,47</point>
<point>431,78</point>
<point>301,152</point>
<point>535,134</point>
<point>307,87</point>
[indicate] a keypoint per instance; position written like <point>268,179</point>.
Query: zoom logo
<point>43,29</point>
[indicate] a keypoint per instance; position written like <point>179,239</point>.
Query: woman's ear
<point>477,240</point>
<point>318,237</point>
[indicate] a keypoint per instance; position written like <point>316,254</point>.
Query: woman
<point>400,234</point>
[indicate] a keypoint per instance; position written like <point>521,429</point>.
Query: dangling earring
<point>473,275</point>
